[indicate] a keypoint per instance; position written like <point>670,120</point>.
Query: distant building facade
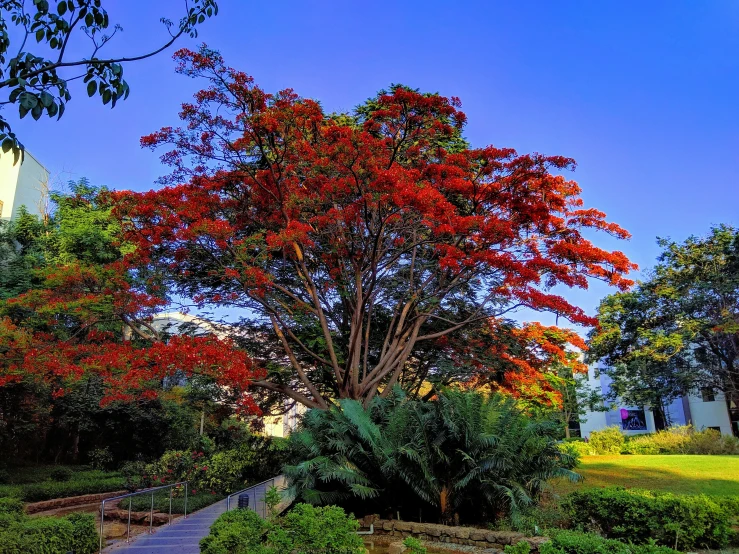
<point>24,183</point>
<point>707,410</point>
<point>176,323</point>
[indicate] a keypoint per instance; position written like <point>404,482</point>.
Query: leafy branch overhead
<point>36,69</point>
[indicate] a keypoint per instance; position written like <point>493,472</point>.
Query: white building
<point>708,410</point>
<point>24,183</point>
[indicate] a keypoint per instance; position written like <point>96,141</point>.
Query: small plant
<point>521,547</point>
<point>60,474</point>
<point>100,458</point>
<point>272,499</point>
<point>414,546</point>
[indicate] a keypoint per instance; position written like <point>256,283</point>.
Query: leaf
<point>91,88</point>
<point>62,8</point>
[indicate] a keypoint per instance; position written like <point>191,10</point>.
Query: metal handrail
<point>151,491</point>
<point>272,482</point>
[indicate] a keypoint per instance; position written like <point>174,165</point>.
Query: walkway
<point>183,536</point>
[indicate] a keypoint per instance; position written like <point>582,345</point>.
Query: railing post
<point>128,527</point>
<point>170,504</point>
<point>151,515</point>
<point>102,525</point>
<point>185,500</point>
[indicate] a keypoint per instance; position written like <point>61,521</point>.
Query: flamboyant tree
<point>76,312</point>
<point>358,239</point>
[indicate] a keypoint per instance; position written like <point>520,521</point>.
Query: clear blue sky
<point>644,95</point>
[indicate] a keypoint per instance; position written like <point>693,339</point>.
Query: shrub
<point>304,529</point>
<point>682,440</point>
<point>574,542</point>
<point>61,474</point>
<point>50,489</point>
<point>50,535</point>
<point>576,449</point>
<point>606,441</point>
<point>197,501</point>
<point>521,547</point>
<point>11,506</point>
<point>4,476</point>
<point>414,546</point>
<point>100,458</point>
<point>687,522</point>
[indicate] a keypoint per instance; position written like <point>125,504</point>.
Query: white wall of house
<point>710,413</point>
<point>21,184</point>
<point>703,412</point>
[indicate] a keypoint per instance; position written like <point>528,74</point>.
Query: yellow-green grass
<point>711,475</point>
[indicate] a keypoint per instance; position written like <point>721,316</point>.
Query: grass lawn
<point>711,475</point>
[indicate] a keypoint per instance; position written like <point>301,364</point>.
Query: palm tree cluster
<point>463,456</point>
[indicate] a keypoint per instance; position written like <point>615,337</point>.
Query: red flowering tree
<point>82,318</point>
<point>357,239</point>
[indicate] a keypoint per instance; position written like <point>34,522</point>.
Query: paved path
<point>182,537</point>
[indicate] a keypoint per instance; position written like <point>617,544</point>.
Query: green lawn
<point>711,475</point>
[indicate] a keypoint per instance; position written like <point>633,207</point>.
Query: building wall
<point>21,184</point>
<point>701,414</point>
<point>710,414</point>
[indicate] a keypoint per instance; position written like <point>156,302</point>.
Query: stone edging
<point>456,535</point>
<point>70,501</point>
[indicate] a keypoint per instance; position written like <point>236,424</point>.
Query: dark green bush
<point>49,490</point>
<point>198,501</point>
<point>683,522</point>
<point>304,529</point>
<point>574,542</point>
<point>4,476</point>
<point>61,474</point>
<point>465,455</point>
<point>50,535</point>
<point>11,506</point>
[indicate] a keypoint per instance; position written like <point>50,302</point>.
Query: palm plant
<point>464,455</point>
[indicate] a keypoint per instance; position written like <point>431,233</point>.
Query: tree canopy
<point>35,64</point>
<point>677,331</point>
<point>357,241</point>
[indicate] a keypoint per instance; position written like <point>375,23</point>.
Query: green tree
<point>36,66</point>
<point>678,331</point>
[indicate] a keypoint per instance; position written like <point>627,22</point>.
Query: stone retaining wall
<point>456,535</point>
<point>69,502</point>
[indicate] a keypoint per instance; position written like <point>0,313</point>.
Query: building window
<point>633,420</point>
<point>708,395</point>
<point>715,428</point>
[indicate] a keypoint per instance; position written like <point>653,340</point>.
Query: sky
<point>644,95</point>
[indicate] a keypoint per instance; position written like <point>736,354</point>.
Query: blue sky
<point>644,95</point>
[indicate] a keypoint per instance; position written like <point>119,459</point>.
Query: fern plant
<point>464,455</point>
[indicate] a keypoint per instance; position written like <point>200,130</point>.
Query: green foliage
<point>676,332</point>
<point>34,74</point>
<point>100,458</point>
<point>196,500</point>
<point>11,506</point>
<point>606,441</point>
<point>414,546</point>
<point>683,522</point>
<point>305,529</point>
<point>575,542</point>
<point>49,535</point>
<point>61,474</point>
<point>576,449</point>
<point>33,486</point>
<point>272,499</point>
<point>521,547</point>
<point>465,454</point>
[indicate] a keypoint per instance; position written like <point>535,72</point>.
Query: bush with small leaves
<point>61,474</point>
<point>607,441</point>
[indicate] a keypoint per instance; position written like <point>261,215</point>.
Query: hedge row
<point>638,516</point>
<point>44,535</point>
